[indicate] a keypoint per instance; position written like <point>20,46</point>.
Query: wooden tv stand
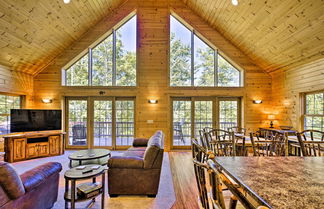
<point>28,145</point>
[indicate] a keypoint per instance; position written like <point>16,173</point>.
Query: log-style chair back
<point>222,142</point>
<point>237,130</point>
<point>199,155</point>
<point>204,139</point>
<point>275,144</point>
<point>311,142</point>
<point>216,187</point>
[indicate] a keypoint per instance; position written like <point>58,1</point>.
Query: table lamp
<point>271,118</point>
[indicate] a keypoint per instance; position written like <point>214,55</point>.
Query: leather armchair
<point>34,189</point>
<point>138,170</point>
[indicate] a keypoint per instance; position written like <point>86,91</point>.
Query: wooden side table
<point>74,175</point>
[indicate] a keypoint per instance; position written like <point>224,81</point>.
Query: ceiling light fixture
<point>66,1</point>
<point>235,2</point>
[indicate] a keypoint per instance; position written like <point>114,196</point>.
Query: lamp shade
<point>271,117</point>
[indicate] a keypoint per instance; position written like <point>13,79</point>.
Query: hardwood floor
<point>184,181</point>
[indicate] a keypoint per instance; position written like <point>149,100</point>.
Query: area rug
<point>164,199</point>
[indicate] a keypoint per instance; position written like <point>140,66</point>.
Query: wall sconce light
<point>47,100</point>
<point>152,101</point>
<point>259,101</point>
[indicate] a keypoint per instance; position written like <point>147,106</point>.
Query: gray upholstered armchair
<point>138,170</point>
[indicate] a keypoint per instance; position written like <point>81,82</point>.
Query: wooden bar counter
<point>28,145</point>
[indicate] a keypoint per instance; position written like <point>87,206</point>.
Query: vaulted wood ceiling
<point>275,34</point>
<point>33,32</point>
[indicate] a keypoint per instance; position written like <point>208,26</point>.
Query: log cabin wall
<point>18,83</point>
<point>288,86</point>
<point>153,69</point>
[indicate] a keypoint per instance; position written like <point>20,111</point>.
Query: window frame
<point>90,121</point>
<point>304,108</point>
<point>88,51</point>
<point>21,105</point>
<point>192,55</point>
<point>215,113</point>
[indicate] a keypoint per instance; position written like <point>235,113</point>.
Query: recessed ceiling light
<point>66,1</point>
<point>235,2</point>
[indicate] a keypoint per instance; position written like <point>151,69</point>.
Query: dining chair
<point>199,155</point>
<point>273,145</point>
<point>79,134</point>
<point>178,133</point>
<point>203,136</point>
<point>226,143</point>
<point>222,142</point>
<point>237,130</point>
<point>311,142</point>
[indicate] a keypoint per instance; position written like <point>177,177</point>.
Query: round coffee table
<point>88,155</point>
<point>74,175</point>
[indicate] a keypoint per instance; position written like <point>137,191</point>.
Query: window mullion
<point>216,67</point>
<point>192,59</point>
<point>90,67</point>
<point>114,59</point>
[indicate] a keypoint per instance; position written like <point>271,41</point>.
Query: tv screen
<point>23,120</point>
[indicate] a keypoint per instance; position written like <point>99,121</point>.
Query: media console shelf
<point>28,145</point>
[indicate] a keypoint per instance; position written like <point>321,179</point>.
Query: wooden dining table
<point>277,182</point>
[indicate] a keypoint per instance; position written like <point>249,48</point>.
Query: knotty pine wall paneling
<point>153,69</point>
<point>18,83</point>
<point>288,86</point>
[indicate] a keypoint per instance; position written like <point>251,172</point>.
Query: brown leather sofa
<point>138,170</point>
<point>34,189</point>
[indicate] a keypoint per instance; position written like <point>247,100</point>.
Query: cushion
<point>153,148</point>
<point>10,181</point>
<point>150,156</point>
<point>134,154</point>
<point>137,149</point>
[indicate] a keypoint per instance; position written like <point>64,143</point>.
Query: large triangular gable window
<point>111,62</point>
<point>195,63</point>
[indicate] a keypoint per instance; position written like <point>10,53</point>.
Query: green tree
<point>180,62</point>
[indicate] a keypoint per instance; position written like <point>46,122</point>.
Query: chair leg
<point>113,195</point>
<point>233,202</point>
<point>151,195</point>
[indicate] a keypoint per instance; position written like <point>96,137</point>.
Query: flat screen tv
<point>23,120</point>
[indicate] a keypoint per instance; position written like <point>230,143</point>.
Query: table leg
<point>73,194</point>
<point>103,191</point>
<point>66,192</point>
<point>80,162</point>
<point>94,181</point>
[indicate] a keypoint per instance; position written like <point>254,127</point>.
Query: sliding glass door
<point>229,113</point>
<point>95,122</point>
<point>77,122</point>
<point>191,114</point>
<point>102,123</point>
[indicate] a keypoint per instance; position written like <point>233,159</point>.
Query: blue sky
<point>128,31</point>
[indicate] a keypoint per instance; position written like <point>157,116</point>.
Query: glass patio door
<point>229,113</point>
<point>191,114</point>
<point>94,122</point>
<point>77,122</point>
<point>102,123</point>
